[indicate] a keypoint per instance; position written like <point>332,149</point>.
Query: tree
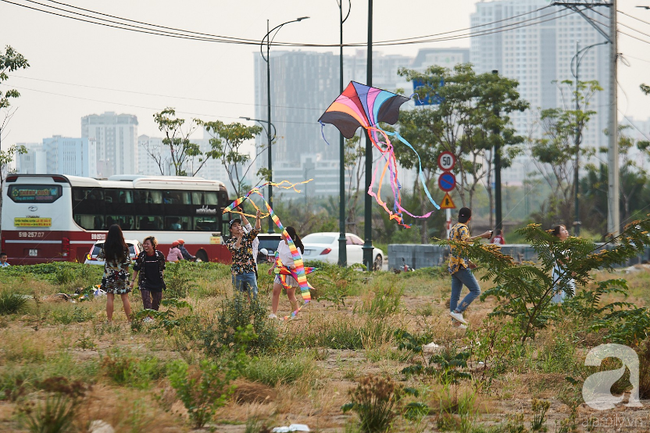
<point>10,61</point>
<point>471,118</point>
<point>177,138</point>
<point>556,151</point>
<point>632,185</point>
<point>226,142</point>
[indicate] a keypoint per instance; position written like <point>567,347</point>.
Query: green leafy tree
<point>555,152</point>
<point>473,116</point>
<point>632,185</point>
<point>524,291</point>
<point>10,61</point>
<point>226,142</point>
<point>177,139</point>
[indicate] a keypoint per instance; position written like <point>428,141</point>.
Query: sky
<point>77,68</point>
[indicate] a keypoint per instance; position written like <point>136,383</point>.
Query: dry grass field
<point>360,341</point>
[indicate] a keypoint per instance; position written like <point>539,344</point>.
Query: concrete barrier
<point>425,256</point>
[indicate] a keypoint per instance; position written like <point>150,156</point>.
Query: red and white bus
<point>51,217</point>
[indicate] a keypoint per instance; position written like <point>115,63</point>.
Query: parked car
<point>268,241</point>
<point>135,248</point>
<point>325,247</point>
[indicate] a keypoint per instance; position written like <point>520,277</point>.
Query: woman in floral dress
<point>116,271</point>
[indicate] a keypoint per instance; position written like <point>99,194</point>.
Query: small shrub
<point>274,370</point>
<point>202,388</point>
<point>375,400</point>
<point>12,303</point>
<point>127,370</point>
<point>540,407</point>
<point>77,314</point>
<point>57,413</point>
<point>179,278</point>
<point>237,314</point>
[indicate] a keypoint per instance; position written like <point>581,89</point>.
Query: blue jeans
<point>463,276</point>
<point>245,283</point>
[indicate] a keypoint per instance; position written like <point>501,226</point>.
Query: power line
<point>638,19</point>
<point>206,37</point>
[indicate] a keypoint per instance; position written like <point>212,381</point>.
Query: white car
<point>325,247</point>
<point>135,248</point>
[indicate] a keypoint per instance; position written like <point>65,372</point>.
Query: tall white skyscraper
<point>534,42</point>
<point>116,138</point>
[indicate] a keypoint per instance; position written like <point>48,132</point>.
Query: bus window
<point>177,223</point>
<point>211,198</point>
<point>89,222</point>
<point>124,221</point>
<point>125,196</point>
<point>149,223</point>
<point>205,224</point>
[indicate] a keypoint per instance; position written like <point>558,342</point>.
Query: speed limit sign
<point>446,161</point>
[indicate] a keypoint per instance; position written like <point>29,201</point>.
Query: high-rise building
<point>535,43</point>
<point>303,85</point>
<point>61,155</point>
<point>115,136</point>
<point>32,162</point>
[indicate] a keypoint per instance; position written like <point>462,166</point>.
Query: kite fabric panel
<point>299,273</point>
<point>364,106</point>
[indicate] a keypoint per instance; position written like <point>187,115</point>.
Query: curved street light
<point>269,40</point>
<point>577,58</point>
<point>343,258</point>
<point>262,122</point>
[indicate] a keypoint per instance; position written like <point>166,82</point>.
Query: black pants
<point>151,300</point>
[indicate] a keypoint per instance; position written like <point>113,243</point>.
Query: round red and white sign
<point>446,161</point>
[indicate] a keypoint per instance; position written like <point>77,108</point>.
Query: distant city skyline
<point>79,68</point>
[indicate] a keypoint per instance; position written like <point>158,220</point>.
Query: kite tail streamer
<point>322,132</point>
<point>420,171</point>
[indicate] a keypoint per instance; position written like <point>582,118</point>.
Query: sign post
<point>447,182</point>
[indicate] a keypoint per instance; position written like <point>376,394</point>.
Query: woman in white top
<point>561,233</point>
<point>284,253</point>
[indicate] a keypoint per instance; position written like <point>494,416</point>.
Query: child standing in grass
<point>116,271</point>
<point>150,264</point>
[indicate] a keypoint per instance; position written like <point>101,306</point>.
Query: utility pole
<point>613,211</point>
<point>497,170</point>
<point>367,245</point>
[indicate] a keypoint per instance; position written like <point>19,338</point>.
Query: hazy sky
<point>79,68</point>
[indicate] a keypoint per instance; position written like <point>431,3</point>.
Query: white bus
<point>51,217</point>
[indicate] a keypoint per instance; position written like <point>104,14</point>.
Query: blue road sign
<point>447,181</point>
<point>429,99</point>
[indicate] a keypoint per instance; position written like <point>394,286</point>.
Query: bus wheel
<point>202,256</point>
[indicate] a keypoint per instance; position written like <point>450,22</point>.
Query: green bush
<point>237,313</point>
<point>179,278</point>
<point>76,314</point>
<point>12,303</point>
<point>279,369</point>
<point>127,370</point>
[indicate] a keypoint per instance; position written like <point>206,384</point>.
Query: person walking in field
<point>150,265</point>
<point>460,268</point>
<point>115,280</point>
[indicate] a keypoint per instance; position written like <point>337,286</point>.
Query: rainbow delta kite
<point>365,106</point>
<point>299,272</point>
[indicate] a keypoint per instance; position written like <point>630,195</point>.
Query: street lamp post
<point>267,59</point>
<point>343,259</point>
<point>262,122</point>
<point>580,53</point>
